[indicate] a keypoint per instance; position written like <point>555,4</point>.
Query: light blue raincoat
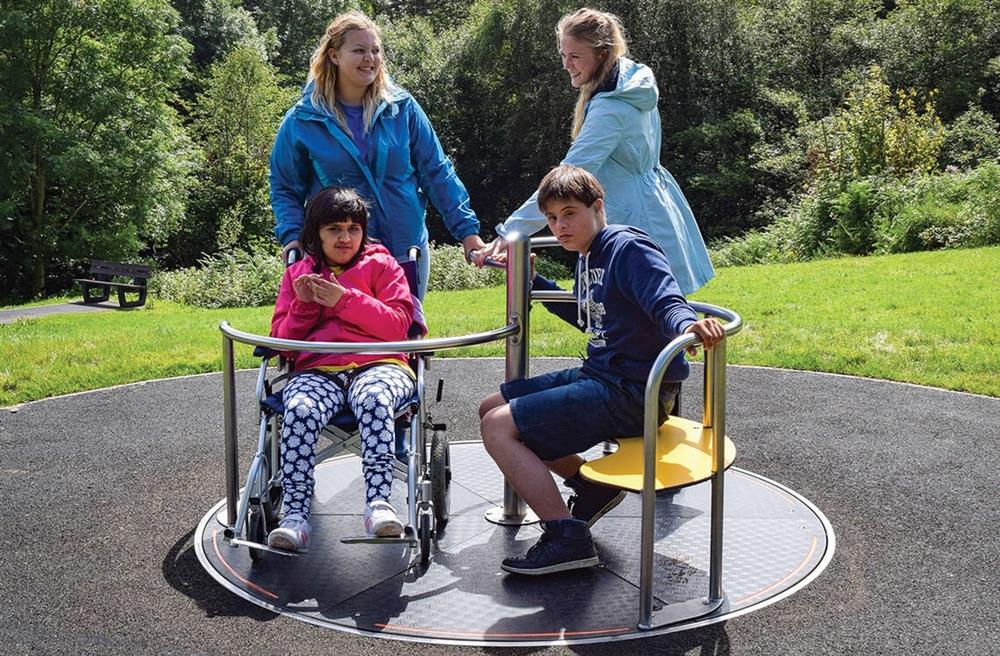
<point>620,144</point>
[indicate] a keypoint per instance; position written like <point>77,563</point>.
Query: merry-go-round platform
<point>775,542</point>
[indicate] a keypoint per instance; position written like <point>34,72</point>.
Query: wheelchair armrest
<point>264,352</point>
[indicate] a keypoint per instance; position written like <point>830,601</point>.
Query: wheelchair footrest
<point>367,539</point>
<point>263,547</point>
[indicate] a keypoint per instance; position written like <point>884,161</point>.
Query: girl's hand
<point>326,292</point>
<point>709,330</point>
<point>303,288</point>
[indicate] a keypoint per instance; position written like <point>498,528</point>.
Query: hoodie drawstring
<point>583,300</point>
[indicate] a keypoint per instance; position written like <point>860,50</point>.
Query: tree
<point>214,27</point>
<point>297,26</point>
<point>945,45</point>
<point>234,121</point>
<point>87,131</point>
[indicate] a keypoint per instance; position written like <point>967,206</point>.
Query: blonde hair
<point>604,33</point>
<point>323,72</point>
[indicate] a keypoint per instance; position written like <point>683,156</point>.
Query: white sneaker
<point>292,534</point>
<point>381,520</point>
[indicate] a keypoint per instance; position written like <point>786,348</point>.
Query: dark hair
<point>569,182</point>
<point>333,205</point>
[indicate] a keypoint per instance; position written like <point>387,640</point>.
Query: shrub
<point>449,271</point>
<point>872,135</point>
<point>232,279</point>
<point>755,247</point>
<point>949,210</point>
<point>853,212</point>
<point>251,278</point>
<point>971,139</point>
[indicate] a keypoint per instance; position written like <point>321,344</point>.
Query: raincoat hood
<point>636,86</point>
<point>306,106</point>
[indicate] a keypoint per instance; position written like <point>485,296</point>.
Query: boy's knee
<point>489,403</point>
<point>496,427</point>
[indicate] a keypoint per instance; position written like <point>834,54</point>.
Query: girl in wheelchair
<point>346,289</point>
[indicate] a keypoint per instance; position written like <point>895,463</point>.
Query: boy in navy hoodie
<point>630,305</point>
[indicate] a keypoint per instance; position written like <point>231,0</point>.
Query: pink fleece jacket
<point>377,307</point>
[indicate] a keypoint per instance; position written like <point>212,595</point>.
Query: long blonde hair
<point>604,33</point>
<point>324,72</point>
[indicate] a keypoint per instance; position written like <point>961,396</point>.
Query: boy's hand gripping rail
<point>231,335</point>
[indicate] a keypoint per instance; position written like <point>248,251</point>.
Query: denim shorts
<point>566,412</point>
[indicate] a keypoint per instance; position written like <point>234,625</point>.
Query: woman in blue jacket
<point>616,136</point>
<point>354,127</point>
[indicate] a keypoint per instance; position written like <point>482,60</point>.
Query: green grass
<point>926,318</point>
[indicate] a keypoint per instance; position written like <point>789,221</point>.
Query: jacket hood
<point>305,105</point>
<point>636,85</point>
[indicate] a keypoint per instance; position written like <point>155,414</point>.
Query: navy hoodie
<point>629,304</point>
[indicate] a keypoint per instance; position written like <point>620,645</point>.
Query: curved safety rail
<point>714,422</point>
<point>231,335</point>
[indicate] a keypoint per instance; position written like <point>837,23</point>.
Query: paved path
<point>7,316</point>
<point>103,491</point>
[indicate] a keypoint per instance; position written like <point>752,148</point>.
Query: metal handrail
<point>231,335</point>
<point>406,346</point>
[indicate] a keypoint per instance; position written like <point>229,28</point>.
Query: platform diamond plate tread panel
<point>474,599</point>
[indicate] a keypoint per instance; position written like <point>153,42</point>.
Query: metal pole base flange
<point>497,516</point>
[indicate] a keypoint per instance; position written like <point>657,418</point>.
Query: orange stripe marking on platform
<point>215,545</point>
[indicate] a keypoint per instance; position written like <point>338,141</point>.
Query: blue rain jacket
<point>619,143</point>
<point>405,167</point>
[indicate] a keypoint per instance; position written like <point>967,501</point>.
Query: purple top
<point>355,115</point>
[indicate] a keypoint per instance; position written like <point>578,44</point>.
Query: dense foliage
<point>246,279</point>
<point>140,129</point>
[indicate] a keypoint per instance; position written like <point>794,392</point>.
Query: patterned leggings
<point>311,400</point>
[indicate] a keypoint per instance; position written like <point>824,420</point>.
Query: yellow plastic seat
<point>683,457</point>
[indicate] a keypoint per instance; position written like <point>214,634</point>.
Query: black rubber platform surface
<point>774,542</point>
<point>103,493</point>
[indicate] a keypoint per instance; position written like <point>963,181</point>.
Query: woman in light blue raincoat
<point>353,127</point>
<point>616,136</point>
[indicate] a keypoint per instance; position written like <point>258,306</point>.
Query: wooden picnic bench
<point>98,286</point>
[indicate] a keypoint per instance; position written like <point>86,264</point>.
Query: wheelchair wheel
<point>272,507</point>
<point>424,533</point>
<point>440,476</point>
<point>271,500</point>
<point>256,529</point>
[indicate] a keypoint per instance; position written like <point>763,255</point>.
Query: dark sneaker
<point>566,544</point>
<point>592,500</point>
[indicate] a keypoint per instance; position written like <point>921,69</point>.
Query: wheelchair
<point>422,462</point>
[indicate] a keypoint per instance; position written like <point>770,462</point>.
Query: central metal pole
<point>514,510</point>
